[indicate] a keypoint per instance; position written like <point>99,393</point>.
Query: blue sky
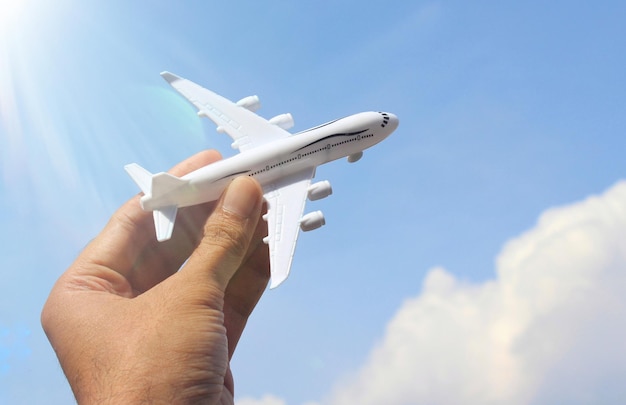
<point>506,112</point>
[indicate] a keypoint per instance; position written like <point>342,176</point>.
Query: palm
<point>194,325</point>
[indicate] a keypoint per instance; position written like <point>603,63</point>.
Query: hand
<point>128,327</point>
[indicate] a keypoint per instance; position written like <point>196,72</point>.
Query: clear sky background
<point>478,255</point>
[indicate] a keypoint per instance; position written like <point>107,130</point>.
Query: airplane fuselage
<point>276,160</point>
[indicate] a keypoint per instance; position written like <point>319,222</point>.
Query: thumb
<point>227,235</point>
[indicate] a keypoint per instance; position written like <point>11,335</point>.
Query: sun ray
<point>29,134</point>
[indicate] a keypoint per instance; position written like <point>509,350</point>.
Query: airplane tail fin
<point>154,186</point>
<point>163,183</point>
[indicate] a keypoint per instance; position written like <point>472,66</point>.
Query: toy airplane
<point>282,163</point>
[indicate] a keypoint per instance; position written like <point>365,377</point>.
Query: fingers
<point>195,162</point>
<point>128,245</point>
<point>227,236</point>
<point>246,287</point>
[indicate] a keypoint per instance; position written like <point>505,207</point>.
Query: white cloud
<point>549,329</point>
<point>266,400</point>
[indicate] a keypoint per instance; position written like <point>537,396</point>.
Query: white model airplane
<point>282,163</point>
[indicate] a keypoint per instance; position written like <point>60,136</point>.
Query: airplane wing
<point>247,129</point>
<point>285,203</point>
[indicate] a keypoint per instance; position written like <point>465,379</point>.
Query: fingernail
<point>241,197</point>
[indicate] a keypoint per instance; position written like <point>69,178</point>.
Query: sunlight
<point>64,122</point>
<point>10,11</point>
<point>27,29</point>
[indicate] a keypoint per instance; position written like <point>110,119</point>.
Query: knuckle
<point>228,235</point>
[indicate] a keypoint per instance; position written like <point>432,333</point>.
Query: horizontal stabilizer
<point>164,222</point>
<point>154,186</point>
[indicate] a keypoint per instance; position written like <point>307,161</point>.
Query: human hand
<point>128,327</point>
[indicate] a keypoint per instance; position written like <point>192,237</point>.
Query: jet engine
<point>312,220</point>
<point>355,157</point>
<point>319,190</point>
<point>285,121</point>
<point>251,103</point>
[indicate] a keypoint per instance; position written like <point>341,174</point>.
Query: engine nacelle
<point>355,157</point>
<point>312,220</point>
<point>319,190</point>
<point>285,121</point>
<point>251,103</point>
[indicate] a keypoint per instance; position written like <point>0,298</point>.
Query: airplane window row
<point>327,147</point>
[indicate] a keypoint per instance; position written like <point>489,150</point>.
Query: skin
<point>128,327</point>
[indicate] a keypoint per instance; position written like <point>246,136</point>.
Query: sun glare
<point>26,128</point>
<point>10,12</point>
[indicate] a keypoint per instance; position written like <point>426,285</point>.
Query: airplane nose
<point>393,122</point>
<point>389,120</point>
